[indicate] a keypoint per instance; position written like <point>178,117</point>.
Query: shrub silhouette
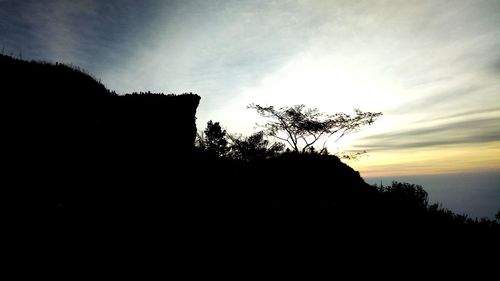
<point>217,142</point>
<point>254,147</point>
<point>407,194</point>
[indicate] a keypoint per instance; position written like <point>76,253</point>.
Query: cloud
<point>430,66</point>
<point>51,28</point>
<point>495,66</point>
<point>464,132</point>
<point>95,35</point>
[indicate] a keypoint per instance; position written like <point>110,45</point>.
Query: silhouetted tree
<point>497,216</point>
<point>301,128</point>
<point>214,139</point>
<point>407,193</point>
<point>254,147</point>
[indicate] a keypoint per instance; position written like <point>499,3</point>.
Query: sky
<point>432,67</point>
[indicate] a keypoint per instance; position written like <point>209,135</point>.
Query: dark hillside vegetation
<point>84,164</point>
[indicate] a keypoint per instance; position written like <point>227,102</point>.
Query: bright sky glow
<point>431,66</point>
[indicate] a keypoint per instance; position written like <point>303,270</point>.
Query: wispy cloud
<point>95,35</point>
<point>463,133</point>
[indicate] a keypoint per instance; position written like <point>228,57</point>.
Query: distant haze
<point>474,194</point>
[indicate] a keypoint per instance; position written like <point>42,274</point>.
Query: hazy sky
<point>432,67</point>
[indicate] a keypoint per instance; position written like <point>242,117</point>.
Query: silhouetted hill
<point>47,80</point>
<point>87,165</point>
<point>69,139</point>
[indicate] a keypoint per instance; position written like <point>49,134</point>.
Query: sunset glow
<point>435,79</point>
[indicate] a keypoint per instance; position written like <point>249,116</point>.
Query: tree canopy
<point>256,146</point>
<point>214,139</point>
<point>301,128</point>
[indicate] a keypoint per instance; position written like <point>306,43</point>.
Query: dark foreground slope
<point>70,143</point>
<point>91,172</point>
